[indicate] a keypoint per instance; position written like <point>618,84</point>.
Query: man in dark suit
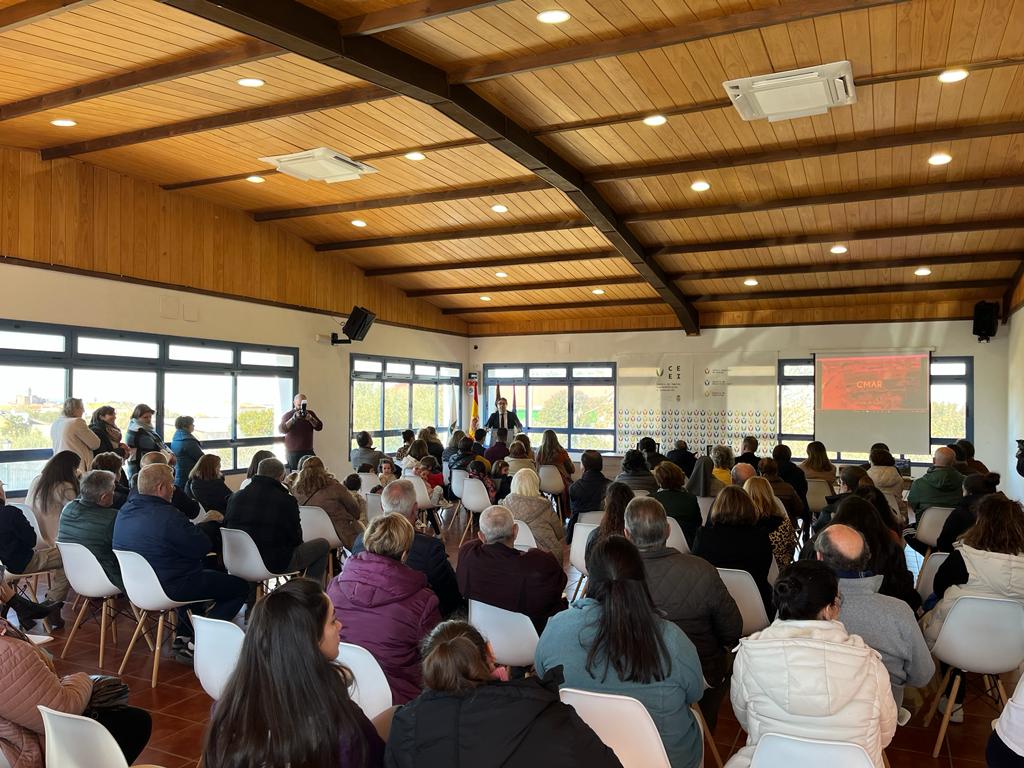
<point>683,457</point>
<point>503,418</point>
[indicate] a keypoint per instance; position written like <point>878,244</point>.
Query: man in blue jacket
<point>176,549</point>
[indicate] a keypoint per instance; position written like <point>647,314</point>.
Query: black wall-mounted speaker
<point>358,324</point>
<point>986,320</point>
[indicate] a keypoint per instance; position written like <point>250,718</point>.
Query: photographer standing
<point>298,426</point>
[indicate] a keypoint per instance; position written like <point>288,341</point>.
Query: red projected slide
<point>897,383</point>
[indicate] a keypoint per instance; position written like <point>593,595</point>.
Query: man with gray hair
<point>887,624</point>
<point>741,472</point>
<point>493,571</point>
<point>688,591</point>
<point>89,521</point>
<point>428,554</point>
<point>181,501</point>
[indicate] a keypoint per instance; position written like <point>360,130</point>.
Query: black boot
<point>54,617</point>
<point>27,611</point>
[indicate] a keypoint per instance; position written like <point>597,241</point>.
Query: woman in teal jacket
<point>613,641</point>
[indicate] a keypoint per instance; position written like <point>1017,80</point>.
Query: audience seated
<point>479,436</point>
<point>104,425</point>
<point>254,462</point>
<point>688,591</point>
<point>635,473</point>
<point>772,517</point>
<point>1005,747</point>
<point>493,571</point>
<point>528,506</point>
<point>787,494</point>
<point>959,458</point>
<point>180,500</point>
<point>806,676</point>
<point>465,455</point>
<point>364,452</point>
<point>976,487</point>
<point>522,437</point>
<point>702,482</point>
<point>206,484</point>
<point>499,448</point>
<point>142,438</point>
<point>587,493</point>
<point>270,515</point>
<point>551,453</point>
<point>613,522</point>
<point>723,459</point>
<point>288,683</point>
<point>850,478</point>
<point>682,457</point>
<point>886,477</point>
<point>748,453</point>
<point>733,539</point>
<point>113,463</point>
<point>388,472</point>
<point>885,511</point>
<point>384,605</point>
<point>149,525</point>
<point>51,489</point>
<point>354,483</point>
<point>187,450</point>
<point>973,465</point>
<point>69,432</point>
<point>469,715</point>
<point>519,457</point>
<point>679,503</point>
<point>885,623</point>
<point>316,487</point>
<point>790,472</point>
<point>502,480</point>
<point>407,438</point>
<point>741,472</point>
<point>29,681</point>
<point>89,521</point>
<point>614,641</point>
<point>940,486</point>
<point>427,554</point>
<point>817,465</point>
<point>452,449</point>
<point>418,451</point>
<point>435,447</point>
<point>649,448</point>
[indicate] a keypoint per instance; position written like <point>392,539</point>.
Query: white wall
<point>1013,484</point>
<point>945,338</point>
<point>56,297</point>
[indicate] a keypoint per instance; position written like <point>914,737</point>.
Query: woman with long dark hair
<point>287,702</point>
<point>976,487</point>
<point>55,486</point>
<point>616,498</point>
<point>614,641</point>
<point>103,424</point>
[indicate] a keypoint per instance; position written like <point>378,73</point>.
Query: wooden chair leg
<point>1002,690</point>
<point>156,651</point>
<point>950,705</point>
<point>74,627</point>
<point>113,619</point>
<point>103,627</point>
<point>467,529</point>
<point>935,704</point>
<point>135,636</point>
<point>455,512</point>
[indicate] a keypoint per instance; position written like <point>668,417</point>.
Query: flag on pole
<point>474,414</point>
<point>497,393</point>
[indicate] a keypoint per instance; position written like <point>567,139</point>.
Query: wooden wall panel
<point>75,215</point>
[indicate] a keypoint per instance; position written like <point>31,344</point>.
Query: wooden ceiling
<point>546,120</point>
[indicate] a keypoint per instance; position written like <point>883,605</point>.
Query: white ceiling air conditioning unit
<point>797,93</point>
<point>320,164</point>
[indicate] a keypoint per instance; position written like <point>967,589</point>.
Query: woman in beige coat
<point>316,487</point>
<point>54,487</point>
<point>71,433</point>
<point>528,506</point>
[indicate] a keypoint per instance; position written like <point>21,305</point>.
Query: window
<point>952,399</point>
<point>236,393</point>
<point>576,401</point>
<point>391,395</point>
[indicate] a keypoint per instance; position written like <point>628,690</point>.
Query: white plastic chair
<point>623,724</point>
<point>578,551</point>
<point>676,539</point>
<point>475,500</point>
<point>512,636</point>
<point>242,558</point>
<point>459,477</point>
<point>367,482</point>
<point>775,749</point>
<point>551,480</point>
<point>218,646</point>
<point>525,540</point>
<point>30,515</point>
<point>245,483</point>
<point>87,577</point>
<point>374,506</point>
<point>930,524</point>
<point>73,741</point>
<point>744,591</point>
<point>316,524</point>
<point>984,635</point>
<point>590,517</point>
<point>705,502</point>
<point>817,491</point>
<point>926,578</point>
<point>369,689</point>
<point>148,596</point>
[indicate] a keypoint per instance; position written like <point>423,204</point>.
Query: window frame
<point>568,380</point>
<point>71,360</point>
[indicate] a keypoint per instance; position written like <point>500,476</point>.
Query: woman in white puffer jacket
<point>806,676</point>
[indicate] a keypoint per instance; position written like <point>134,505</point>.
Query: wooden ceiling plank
<point>29,11</point>
<point>539,286</point>
<point>418,12</point>
<point>597,304</point>
<point>853,290</point>
<point>702,29</point>
<point>343,98</point>
<point>458,234</point>
<point>511,261</point>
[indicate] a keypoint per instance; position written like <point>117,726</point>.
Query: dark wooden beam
<point>217,179</point>
<point>941,136</point>
<point>1007,303</point>
<point>458,234</point>
<point>596,304</point>
<point>344,98</point>
<point>307,32</point>
<point>859,290</point>
<point>541,286</point>
<point>701,29</point>
<point>532,184</point>
<point>510,261</point>
<point>418,12</point>
<point>886,233</point>
<point>29,11</point>
<point>809,268</point>
<point>841,198</point>
<point>247,51</point>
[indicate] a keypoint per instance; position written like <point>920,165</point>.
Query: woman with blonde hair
<point>452,449</point>
<point>527,505</point>
<point>817,465</point>
<point>206,484</point>
<point>316,487</point>
<point>772,516</point>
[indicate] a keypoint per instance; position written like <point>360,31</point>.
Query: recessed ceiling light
<point>838,249</point>
<point>63,123</point>
<point>750,281</point>
<point>415,156</point>
<point>940,158</point>
<point>251,82</point>
<point>700,186</point>
<point>655,120</point>
<point>501,274</point>
<point>485,298</point>
<point>598,291</point>
<point>953,75</point>
<point>554,16</point>
<point>499,208</point>
<point>922,271</point>
<point>358,223</point>
<point>255,179</point>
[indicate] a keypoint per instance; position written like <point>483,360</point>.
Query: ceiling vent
<point>797,93</point>
<point>321,164</point>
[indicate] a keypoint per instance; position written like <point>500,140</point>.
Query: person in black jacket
<point>748,452</point>
<point>467,715</point>
<point>18,555</point>
<point>113,463</point>
<point>649,448</point>
<point>587,493</point>
<point>206,484</point>
<point>976,487</point>
<point>790,472</point>
<point>270,515</point>
<point>683,457</point>
<point>180,500</point>
<point>427,555</point>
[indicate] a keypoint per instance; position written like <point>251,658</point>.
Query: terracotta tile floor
<point>180,708</point>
